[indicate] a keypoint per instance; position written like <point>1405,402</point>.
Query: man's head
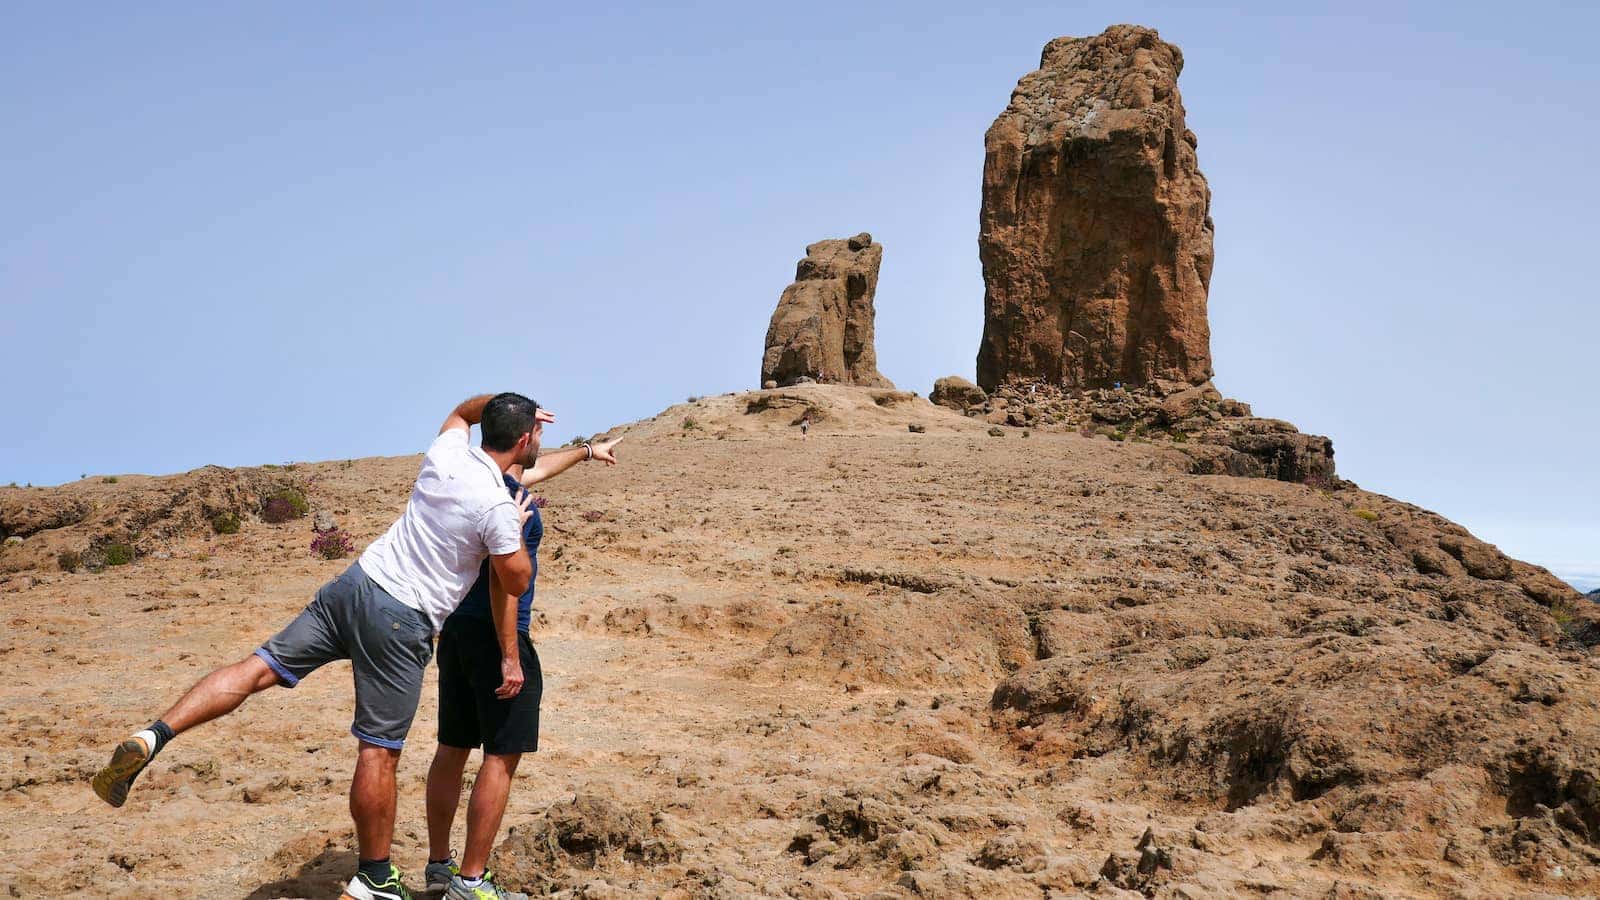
<point>511,423</point>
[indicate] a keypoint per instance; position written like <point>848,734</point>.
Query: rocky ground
<point>935,663</point>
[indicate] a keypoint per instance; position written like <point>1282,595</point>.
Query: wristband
<point>588,451</point>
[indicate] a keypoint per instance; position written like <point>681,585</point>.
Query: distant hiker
<point>805,425</point>
<point>474,713</point>
<point>382,614</point>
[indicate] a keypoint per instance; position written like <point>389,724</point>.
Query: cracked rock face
<point>822,329</point>
<point>1096,235</point>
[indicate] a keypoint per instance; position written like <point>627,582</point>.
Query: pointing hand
<point>603,451</point>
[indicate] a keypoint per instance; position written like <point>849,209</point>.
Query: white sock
<point>149,738</point>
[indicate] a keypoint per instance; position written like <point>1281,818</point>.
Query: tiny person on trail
<point>382,614</point>
<point>805,425</point>
<point>474,713</point>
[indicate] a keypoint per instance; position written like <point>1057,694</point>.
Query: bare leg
<point>220,693</point>
<point>444,795</point>
<point>215,695</point>
<point>484,810</point>
<point>372,799</point>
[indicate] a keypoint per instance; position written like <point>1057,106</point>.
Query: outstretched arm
<point>467,413</point>
<point>552,464</point>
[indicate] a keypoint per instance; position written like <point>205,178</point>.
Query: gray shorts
<point>388,645</point>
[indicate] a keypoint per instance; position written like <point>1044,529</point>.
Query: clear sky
<point>248,233</point>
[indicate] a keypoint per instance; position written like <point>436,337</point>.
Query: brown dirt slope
<point>918,664</point>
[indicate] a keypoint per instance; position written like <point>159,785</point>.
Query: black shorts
<point>470,715</point>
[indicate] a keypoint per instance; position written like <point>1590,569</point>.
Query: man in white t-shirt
<point>382,614</point>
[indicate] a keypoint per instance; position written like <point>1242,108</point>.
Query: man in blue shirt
<point>475,709</point>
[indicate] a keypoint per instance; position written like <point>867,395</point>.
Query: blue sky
<point>239,234</point>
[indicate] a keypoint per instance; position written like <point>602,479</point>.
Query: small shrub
<point>689,424</point>
<point>1563,613</point>
<point>332,544</point>
<point>1118,435</point>
<point>276,510</point>
<point>914,428</point>
<point>118,554</point>
<point>225,523</point>
<point>110,479</point>
<point>1366,515</point>
<point>1185,658</point>
<point>593,515</point>
<point>1024,433</point>
<point>997,431</point>
<point>692,399</point>
<point>1180,437</point>
<point>69,560</point>
<point>285,503</point>
<point>540,502</point>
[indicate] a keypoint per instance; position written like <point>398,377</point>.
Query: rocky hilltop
<point>1095,231</point>
<point>822,330</point>
<point>1219,435</point>
<point>902,656</point>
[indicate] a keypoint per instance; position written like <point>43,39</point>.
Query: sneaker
<point>438,874</point>
<point>363,888</point>
<point>127,761</point>
<point>486,890</point>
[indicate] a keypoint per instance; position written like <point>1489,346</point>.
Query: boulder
<point>1095,230</point>
<point>957,393</point>
<point>822,329</point>
<point>1286,455</point>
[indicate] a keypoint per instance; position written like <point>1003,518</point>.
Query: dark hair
<point>506,418</point>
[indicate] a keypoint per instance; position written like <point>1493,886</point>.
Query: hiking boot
<point>438,874</point>
<point>363,888</point>
<point>111,784</point>
<point>486,890</point>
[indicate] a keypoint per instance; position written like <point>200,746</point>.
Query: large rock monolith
<point>823,327</point>
<point>1095,229</point>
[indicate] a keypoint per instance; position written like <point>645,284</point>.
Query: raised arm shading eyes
<point>467,413</point>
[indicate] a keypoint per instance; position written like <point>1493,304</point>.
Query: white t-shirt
<point>459,512</point>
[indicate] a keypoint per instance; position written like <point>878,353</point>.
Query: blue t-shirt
<point>476,603</point>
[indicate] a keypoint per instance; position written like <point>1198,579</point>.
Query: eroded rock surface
<point>1219,435</point>
<point>1096,234</point>
<point>822,329</point>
